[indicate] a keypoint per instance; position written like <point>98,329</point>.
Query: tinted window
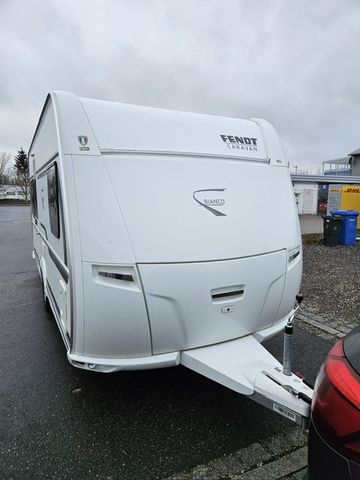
<point>33,198</point>
<point>53,200</point>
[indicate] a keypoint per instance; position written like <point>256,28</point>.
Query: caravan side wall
<point>47,215</point>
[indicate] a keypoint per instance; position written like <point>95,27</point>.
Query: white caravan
<point>165,238</point>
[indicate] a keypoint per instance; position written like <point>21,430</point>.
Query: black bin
<point>332,230</point>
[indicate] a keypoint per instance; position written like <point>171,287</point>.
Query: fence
<point>311,204</point>
<point>316,198</point>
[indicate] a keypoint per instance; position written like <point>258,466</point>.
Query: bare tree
<point>4,166</point>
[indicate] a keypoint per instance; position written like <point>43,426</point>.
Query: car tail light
<point>336,404</point>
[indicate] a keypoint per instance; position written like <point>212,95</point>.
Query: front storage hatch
<point>201,303</point>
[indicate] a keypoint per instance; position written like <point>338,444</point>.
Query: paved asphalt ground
<point>133,425</point>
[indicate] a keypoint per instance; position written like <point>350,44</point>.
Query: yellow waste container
<point>350,199</point>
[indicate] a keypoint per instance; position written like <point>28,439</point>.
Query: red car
<point>322,206</point>
<point>334,436</point>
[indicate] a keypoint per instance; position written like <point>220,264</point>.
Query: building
<point>355,162</point>
<point>306,195</point>
<point>11,192</point>
<point>349,165</point>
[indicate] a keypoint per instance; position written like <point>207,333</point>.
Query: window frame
<point>53,199</point>
<point>33,198</point>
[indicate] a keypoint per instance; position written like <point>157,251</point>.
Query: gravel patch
<point>331,285</point>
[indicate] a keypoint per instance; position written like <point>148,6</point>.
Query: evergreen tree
<point>22,171</point>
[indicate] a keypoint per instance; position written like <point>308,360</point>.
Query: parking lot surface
<point>64,423</point>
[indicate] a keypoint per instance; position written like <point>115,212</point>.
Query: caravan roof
<point>123,127</point>
<point>131,127</point>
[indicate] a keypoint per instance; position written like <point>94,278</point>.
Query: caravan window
<point>53,200</point>
<point>33,198</point>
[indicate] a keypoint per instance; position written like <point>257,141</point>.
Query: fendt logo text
<point>240,143</point>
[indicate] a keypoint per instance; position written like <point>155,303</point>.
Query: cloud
<point>294,64</point>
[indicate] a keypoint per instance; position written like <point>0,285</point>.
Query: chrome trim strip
<point>64,273</point>
<point>114,151</point>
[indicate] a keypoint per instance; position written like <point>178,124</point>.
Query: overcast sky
<point>294,63</point>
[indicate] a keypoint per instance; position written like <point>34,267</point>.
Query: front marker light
<point>117,276</point>
<point>293,253</point>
